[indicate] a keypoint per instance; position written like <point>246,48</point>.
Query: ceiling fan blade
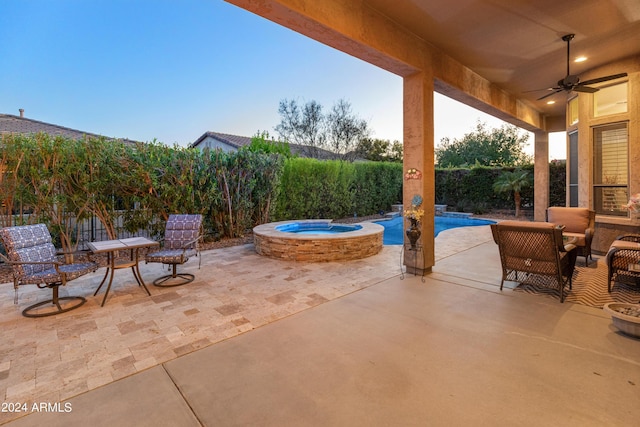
<point>549,94</point>
<point>540,90</point>
<point>585,89</point>
<point>603,79</point>
<point>572,82</point>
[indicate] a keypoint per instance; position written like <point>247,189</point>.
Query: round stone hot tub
<point>317,240</point>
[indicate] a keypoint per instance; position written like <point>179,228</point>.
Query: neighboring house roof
<point>23,125</point>
<point>236,141</point>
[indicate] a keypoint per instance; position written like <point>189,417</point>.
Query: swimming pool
<point>394,234</point>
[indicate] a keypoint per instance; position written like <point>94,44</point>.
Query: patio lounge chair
<point>579,223</point>
<point>623,260</point>
<point>180,242</point>
<point>534,248</point>
<point>34,260</point>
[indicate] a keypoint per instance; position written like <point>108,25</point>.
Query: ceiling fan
<point>572,82</point>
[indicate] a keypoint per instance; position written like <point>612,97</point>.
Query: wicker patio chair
<point>182,234</point>
<point>623,259</point>
<point>534,248</point>
<point>579,223</point>
<point>34,260</point>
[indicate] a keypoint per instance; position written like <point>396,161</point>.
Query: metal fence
<point>88,230</point>
<point>92,230</point>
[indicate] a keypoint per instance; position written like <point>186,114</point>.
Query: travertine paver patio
<point>236,290</point>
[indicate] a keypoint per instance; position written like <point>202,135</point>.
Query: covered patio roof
<point>491,54</point>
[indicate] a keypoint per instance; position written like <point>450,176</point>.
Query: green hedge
<point>332,189</point>
<point>558,183</point>
<point>470,190</point>
<point>376,186</point>
<point>313,188</point>
<point>55,179</point>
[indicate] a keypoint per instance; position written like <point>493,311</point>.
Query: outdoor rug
<point>589,287</point>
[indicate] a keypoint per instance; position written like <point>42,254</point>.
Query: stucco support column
<point>541,175</point>
<point>419,154</point>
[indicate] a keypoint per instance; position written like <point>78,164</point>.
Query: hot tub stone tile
<point>318,248</point>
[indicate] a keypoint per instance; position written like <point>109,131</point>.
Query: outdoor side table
<point>111,248</point>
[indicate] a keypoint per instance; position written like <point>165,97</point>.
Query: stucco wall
<point>608,227</point>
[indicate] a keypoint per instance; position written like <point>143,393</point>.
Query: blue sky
<point>172,70</point>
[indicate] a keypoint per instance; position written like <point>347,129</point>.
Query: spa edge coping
<point>269,230</point>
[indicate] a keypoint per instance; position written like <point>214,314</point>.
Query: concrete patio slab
<point>146,399</point>
<point>407,353</point>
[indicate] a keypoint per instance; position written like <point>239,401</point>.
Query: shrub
<point>470,189</point>
<point>63,181</point>
<point>313,188</point>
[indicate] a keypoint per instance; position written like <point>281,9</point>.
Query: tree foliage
<point>263,142</point>
<point>62,182</point>
<point>302,125</point>
<point>339,132</point>
<point>311,188</point>
<point>503,146</point>
<point>557,183</point>
<point>345,130</point>
<point>380,150</point>
<point>513,181</point>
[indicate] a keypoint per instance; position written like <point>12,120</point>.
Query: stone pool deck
<point>256,341</point>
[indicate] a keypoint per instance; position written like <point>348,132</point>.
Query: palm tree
<point>513,181</point>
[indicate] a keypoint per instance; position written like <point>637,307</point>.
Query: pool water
<point>394,233</point>
<point>317,227</point>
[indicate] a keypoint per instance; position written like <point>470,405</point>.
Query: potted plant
<point>414,214</point>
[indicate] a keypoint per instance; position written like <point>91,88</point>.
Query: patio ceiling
<point>517,45</point>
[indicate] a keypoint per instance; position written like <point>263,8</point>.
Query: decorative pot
<point>413,234</point>
<point>625,317</point>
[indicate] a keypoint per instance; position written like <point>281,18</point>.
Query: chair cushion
<point>32,243</point>
<point>575,220</point>
<point>50,275</point>
<point>171,256</point>
<point>182,229</point>
<point>25,236</point>
<point>29,243</point>
<point>580,238</point>
<point>72,271</point>
<point>624,244</point>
